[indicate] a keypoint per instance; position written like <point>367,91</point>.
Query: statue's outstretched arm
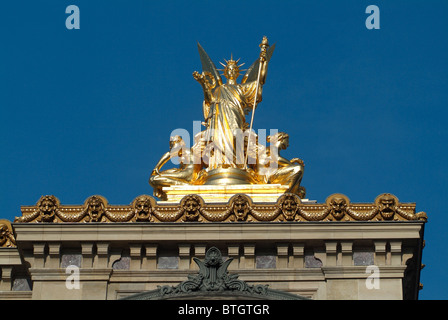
<point>163,160</point>
<point>283,162</point>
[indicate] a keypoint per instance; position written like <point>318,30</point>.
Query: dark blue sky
<point>90,111</point>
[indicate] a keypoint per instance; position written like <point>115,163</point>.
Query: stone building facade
<point>333,250</point>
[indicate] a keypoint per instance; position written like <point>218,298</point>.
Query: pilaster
<point>54,252</point>
<point>136,256</point>
<point>87,254</point>
<point>102,255</point>
<point>297,258</point>
<point>248,258</point>
<point>184,256</point>
<point>150,259</point>
<point>282,255</point>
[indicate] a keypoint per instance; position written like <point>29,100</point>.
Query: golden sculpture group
<point>228,152</point>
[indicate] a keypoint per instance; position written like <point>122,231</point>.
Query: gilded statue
<point>220,154</point>
<point>275,169</point>
<point>225,105</point>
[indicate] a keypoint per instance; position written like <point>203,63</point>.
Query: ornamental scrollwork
<point>46,209</point>
<point>289,207</point>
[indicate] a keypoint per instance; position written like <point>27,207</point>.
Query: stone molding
<point>230,232</point>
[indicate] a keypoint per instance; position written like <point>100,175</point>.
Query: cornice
<point>239,208</point>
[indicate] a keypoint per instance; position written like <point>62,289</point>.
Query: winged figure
<point>221,152</point>
<point>225,105</point>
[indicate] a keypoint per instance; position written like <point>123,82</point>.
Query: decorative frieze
<point>239,208</point>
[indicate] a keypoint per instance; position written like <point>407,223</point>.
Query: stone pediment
<point>214,282</point>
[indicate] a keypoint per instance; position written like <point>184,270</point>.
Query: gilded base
<point>228,176</point>
<point>260,193</point>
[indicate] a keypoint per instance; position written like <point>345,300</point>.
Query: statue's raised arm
<point>265,56</point>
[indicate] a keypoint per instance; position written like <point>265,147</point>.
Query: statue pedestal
<point>228,176</point>
<point>222,193</point>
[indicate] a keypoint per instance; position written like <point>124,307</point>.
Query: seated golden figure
<point>276,169</point>
<point>187,172</point>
